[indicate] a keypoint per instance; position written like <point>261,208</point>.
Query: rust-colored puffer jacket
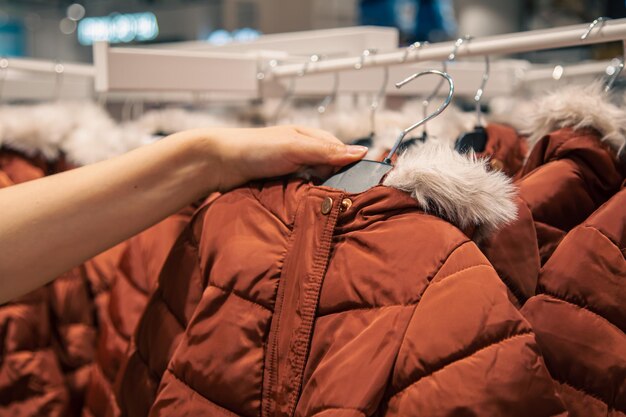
<point>286,298</point>
<point>569,173</point>
<point>31,381</point>
<point>579,313</point>
<point>505,149</point>
<point>139,266</point>
<point>48,336</point>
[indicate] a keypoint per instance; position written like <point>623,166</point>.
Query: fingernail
<point>356,149</point>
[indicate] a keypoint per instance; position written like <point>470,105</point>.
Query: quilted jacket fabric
<point>140,263</point>
<point>568,175</point>
<point>48,336</point>
<point>579,313</point>
<point>505,148</point>
<point>287,298</point>
<point>31,380</point>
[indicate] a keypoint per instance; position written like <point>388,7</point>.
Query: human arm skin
<point>49,225</point>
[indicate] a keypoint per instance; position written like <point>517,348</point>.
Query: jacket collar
<point>577,107</point>
<point>459,188</point>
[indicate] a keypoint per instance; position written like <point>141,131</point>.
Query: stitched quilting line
<point>457,360</point>
<point>610,407</point>
<point>316,411</point>
<point>604,319</point>
<point>195,392</point>
<point>604,236</point>
<point>411,304</point>
<point>239,296</point>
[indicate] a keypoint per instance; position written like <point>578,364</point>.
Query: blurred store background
<point>64,30</point>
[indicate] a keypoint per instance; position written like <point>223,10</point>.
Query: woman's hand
<point>247,154</point>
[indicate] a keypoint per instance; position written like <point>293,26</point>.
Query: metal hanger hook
<point>616,71</point>
<point>329,99</point>
<point>292,86</point>
<point>457,45</point>
<point>4,68</point>
<point>366,53</point>
<point>434,114</point>
<point>599,22</point>
<point>59,69</point>
<point>413,47</point>
<point>378,99</point>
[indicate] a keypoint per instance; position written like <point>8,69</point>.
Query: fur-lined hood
<point>459,188</point>
<point>84,132</point>
<point>575,106</point>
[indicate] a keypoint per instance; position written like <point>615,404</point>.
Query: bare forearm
<point>50,225</point>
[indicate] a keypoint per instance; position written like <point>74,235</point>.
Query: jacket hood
<point>577,107</point>
<point>458,188</point>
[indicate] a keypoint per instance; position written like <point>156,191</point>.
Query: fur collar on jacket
<point>575,106</point>
<point>458,188</point>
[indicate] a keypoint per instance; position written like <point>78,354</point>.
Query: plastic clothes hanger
<point>362,175</point>
<point>376,102</point>
<point>476,139</point>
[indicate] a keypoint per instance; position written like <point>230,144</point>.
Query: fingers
<point>315,133</point>
<point>325,151</point>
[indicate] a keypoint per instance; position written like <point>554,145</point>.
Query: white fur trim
<point>577,107</point>
<point>456,187</point>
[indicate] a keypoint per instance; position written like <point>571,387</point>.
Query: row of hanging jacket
<point>480,285</point>
<point>52,340</point>
<point>459,286</point>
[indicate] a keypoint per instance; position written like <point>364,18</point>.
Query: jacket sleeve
<point>468,351</point>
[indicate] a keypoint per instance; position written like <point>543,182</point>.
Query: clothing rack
<point>196,67</point>
<point>536,40</point>
<point>36,79</point>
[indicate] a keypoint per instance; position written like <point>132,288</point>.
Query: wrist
<point>201,153</point>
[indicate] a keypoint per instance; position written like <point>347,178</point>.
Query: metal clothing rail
<point>536,40</point>
<point>47,67</point>
<point>34,79</point>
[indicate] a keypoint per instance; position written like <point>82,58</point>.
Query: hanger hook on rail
<point>599,22</point>
<point>292,86</point>
<point>59,70</point>
<point>614,72</point>
<point>416,46</point>
<point>481,89</point>
<point>330,99</point>
<point>4,68</point>
<point>380,96</point>
<point>434,114</point>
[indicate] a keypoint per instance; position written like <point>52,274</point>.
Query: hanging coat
<point>572,169</point>
<point>31,380</point>
<point>579,313</point>
<point>285,298</point>
<point>139,266</point>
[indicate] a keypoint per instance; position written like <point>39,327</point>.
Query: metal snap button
<point>346,203</point>
<point>327,205</point>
